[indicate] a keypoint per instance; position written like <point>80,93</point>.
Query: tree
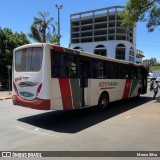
<point>55,38</point>
<point>144,11</point>
<point>150,62</point>
<point>42,29</point>
<point>153,61</point>
<point>9,41</point>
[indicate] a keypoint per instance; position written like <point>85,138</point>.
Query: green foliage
<point>55,39</point>
<point>42,29</point>
<point>158,64</point>
<point>153,68</point>
<point>151,62</point>
<point>9,41</point>
<point>144,11</point>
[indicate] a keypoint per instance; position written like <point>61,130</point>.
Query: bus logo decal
<point>26,94</point>
<point>18,78</point>
<point>108,85</point>
<point>27,84</point>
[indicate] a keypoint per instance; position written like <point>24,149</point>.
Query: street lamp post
<point>59,7</point>
<point>9,67</point>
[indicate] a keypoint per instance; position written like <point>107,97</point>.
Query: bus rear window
<point>28,59</point>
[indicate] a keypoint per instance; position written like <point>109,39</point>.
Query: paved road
<point>131,125</point>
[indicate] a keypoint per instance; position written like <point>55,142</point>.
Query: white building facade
<point>100,32</point>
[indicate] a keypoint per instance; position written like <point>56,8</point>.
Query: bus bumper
<point>39,104</point>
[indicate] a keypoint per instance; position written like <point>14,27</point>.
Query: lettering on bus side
<point>108,85</point>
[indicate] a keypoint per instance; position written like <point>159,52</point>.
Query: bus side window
<point>84,68</point>
<point>115,70</point>
<point>124,72</point>
<point>131,72</point>
<point>120,71</point>
<point>72,66</point>
<point>108,70</point>
<point>127,72</point>
<point>112,70</point>
<point>139,73</point>
<point>55,64</point>
<point>93,64</point>
<point>100,69</point>
<point>134,76</point>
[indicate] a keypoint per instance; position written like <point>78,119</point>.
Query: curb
<point>4,98</point>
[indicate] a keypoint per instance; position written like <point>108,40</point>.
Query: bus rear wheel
<point>139,93</point>
<point>103,102</point>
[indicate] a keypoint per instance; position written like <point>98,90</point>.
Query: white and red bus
<point>46,76</point>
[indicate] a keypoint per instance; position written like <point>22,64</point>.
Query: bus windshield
<point>28,59</point>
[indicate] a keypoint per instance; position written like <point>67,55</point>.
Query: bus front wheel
<point>103,102</point>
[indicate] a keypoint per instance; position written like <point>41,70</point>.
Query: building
<point>100,32</point>
<point>139,56</point>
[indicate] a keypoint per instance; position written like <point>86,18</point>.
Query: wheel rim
<point>103,103</point>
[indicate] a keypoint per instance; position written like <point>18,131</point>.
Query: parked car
<point>158,79</point>
<point>149,77</point>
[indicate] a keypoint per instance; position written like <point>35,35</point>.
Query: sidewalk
<point>5,95</point>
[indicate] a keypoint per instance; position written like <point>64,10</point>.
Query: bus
<point>50,77</point>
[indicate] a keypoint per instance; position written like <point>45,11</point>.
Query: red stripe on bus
<point>60,49</point>
<point>127,88</point>
<point>65,93</point>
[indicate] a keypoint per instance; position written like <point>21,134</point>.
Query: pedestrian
<point>155,88</point>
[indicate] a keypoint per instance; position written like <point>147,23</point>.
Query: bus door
<point>28,73</point>
<point>84,75</point>
<point>144,73</point>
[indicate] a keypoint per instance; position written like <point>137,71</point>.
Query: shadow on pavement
<point>158,99</point>
<point>78,120</point>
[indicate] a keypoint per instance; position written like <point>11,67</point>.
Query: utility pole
<point>59,7</point>
<point>9,67</point>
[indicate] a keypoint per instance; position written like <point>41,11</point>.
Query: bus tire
<point>139,93</point>
<point>103,102</point>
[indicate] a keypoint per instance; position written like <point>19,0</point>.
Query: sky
<point>18,16</point>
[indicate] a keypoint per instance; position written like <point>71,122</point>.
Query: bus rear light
<point>15,87</point>
<point>39,89</point>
